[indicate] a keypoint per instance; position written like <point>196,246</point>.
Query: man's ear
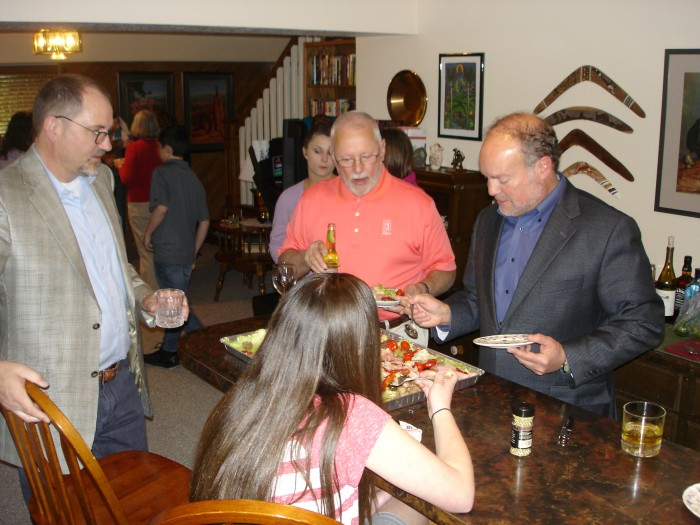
<point>544,166</point>
<point>50,128</point>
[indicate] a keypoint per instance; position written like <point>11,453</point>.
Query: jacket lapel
<point>556,233</point>
<point>47,203</point>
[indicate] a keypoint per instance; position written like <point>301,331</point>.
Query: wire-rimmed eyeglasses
<point>100,136</point>
<point>365,160</point>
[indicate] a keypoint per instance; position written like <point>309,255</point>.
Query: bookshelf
<point>329,72</point>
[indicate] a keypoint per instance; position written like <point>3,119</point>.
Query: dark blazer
<point>588,284</point>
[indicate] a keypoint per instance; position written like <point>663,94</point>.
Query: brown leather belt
<point>109,373</point>
<point>393,323</point>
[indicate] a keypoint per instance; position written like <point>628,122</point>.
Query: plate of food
<point>402,361</point>
<point>691,498</point>
<point>244,346</point>
<point>386,296</point>
<point>502,340</point>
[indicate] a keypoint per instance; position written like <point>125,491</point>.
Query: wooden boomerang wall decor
<point>586,169</point>
<point>577,137</point>
<point>595,75</point>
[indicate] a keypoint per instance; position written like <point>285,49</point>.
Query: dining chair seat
<point>240,511</point>
<point>128,487</point>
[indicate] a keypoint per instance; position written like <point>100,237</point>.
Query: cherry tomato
<point>430,363</point>
<point>405,345</point>
<point>388,379</point>
<point>408,355</point>
<point>399,292</point>
<point>392,345</point>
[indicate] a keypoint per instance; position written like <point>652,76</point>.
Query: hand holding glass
<point>169,311</point>
<point>284,276</point>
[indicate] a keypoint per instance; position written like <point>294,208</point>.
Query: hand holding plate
<point>549,359</point>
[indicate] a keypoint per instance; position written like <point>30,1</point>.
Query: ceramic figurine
<point>435,158</point>
<point>457,159</point>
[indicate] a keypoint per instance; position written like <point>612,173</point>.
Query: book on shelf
<point>333,70</point>
<point>330,107</point>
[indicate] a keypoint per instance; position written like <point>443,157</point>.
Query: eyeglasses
<point>365,160</point>
<point>100,136</point>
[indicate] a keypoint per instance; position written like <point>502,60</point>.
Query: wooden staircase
<point>283,98</point>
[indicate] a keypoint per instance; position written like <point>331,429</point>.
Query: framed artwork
<point>152,91</point>
<point>678,172</point>
<point>208,103</point>
<point>460,96</point>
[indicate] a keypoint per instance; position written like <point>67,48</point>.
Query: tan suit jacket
<point>49,316</point>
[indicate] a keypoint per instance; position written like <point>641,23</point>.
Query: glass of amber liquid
<point>642,428</point>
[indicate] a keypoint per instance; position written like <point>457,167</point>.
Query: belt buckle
<point>109,373</point>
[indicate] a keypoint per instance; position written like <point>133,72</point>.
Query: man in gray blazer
<point>70,302</point>
<point>553,262</point>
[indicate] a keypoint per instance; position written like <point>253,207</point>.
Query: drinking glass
<point>284,276</point>
<point>169,312</point>
<point>642,428</point>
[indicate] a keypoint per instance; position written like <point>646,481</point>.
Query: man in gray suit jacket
<point>553,262</point>
<point>70,302</point>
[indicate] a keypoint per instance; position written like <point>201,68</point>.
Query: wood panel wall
<point>249,80</point>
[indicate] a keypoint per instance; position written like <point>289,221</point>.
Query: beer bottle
<point>331,258</point>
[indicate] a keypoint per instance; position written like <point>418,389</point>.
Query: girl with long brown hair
<point>305,419</point>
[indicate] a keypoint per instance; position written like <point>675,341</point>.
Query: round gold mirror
<point>406,98</point>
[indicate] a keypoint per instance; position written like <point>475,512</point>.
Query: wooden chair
<point>124,488</point>
<point>240,511</point>
<point>244,247</point>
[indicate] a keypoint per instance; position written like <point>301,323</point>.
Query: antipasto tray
<point>394,349</point>
<point>413,394</point>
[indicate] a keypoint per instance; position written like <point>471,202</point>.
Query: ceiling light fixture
<point>58,44</point>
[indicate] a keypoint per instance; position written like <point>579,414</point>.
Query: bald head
<point>537,139</point>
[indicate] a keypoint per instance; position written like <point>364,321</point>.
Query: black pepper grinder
<point>521,431</point>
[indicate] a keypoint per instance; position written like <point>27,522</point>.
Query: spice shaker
<point>521,431</point>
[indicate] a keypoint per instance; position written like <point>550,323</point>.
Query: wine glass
<point>284,276</point>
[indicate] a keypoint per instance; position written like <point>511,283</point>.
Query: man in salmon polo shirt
<point>387,231</point>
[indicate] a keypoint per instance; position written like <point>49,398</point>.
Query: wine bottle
<point>666,283</point>
<point>685,278</point>
<point>331,258</point>
<point>694,286</point>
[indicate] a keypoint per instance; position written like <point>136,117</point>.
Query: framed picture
<point>460,96</point>
<point>152,91</point>
<point>208,103</point>
<point>678,172</point>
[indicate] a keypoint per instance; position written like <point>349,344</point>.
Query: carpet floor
<point>181,400</point>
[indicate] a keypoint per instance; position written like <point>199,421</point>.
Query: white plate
<point>502,340</point>
<point>691,498</point>
<point>387,303</point>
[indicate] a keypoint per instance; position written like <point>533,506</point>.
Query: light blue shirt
<point>97,245</point>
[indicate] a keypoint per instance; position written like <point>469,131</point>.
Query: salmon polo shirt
<point>392,236</point>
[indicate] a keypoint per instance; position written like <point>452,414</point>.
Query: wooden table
<point>243,246</point>
<point>589,481</point>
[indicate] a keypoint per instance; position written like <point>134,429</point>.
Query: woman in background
<point>300,427</point>
<point>141,157</point>
<point>18,137</point>
<point>398,155</point>
<point>316,150</point>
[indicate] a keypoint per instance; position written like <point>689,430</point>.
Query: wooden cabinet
<point>459,197</point>
<point>670,381</point>
<point>329,72</point>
